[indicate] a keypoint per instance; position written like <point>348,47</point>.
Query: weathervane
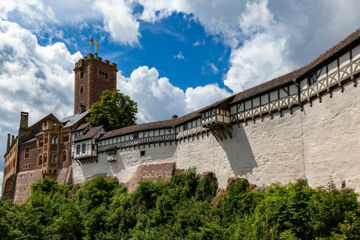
<point>92,46</point>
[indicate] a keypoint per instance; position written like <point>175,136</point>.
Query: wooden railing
<point>323,84</point>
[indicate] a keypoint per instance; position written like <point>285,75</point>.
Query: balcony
<point>217,120</point>
<point>215,116</point>
<point>86,157</point>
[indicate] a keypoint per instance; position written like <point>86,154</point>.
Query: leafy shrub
<point>181,209</point>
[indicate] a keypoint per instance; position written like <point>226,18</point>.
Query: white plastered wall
<point>320,143</point>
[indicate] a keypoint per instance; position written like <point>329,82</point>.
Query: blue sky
<point>173,56</point>
<point>177,46</point>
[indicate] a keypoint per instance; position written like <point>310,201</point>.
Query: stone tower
<point>92,77</point>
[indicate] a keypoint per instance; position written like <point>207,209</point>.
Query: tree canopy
<point>183,208</point>
<point>115,110</point>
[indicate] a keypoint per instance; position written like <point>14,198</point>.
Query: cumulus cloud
<point>158,99</point>
<point>29,11</point>
<point>264,55</point>
<point>33,75</point>
<point>267,38</point>
<point>199,97</point>
<point>119,20</point>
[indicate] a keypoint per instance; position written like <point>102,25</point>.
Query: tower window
<point>103,75</point>
<point>81,74</point>
<point>81,89</point>
<point>142,153</point>
<point>27,152</point>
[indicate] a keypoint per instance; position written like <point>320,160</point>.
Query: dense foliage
<point>115,110</point>
<point>183,208</point>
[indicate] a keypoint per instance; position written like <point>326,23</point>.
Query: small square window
<point>142,153</point>
<point>83,148</point>
<point>136,135</point>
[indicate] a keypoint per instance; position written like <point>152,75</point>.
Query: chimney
<point>174,117</point>
<point>12,139</point>
<point>8,142</point>
<point>24,120</point>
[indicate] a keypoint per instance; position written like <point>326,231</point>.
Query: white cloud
<point>179,56</point>
<point>29,11</point>
<point>33,75</point>
<point>214,69</point>
<point>264,55</point>
<point>197,43</point>
<point>267,38</point>
<point>199,97</point>
<point>119,21</point>
<point>158,99</point>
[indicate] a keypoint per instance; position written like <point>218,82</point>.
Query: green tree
<point>115,110</point>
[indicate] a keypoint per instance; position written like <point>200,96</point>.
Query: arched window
<point>64,156</point>
<point>40,160</point>
<point>81,89</point>
<point>45,158</point>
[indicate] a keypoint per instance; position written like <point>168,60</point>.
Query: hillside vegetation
<point>182,208</point>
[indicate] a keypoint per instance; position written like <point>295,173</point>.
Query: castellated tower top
<point>92,77</point>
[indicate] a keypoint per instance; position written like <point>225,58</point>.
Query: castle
<point>304,124</point>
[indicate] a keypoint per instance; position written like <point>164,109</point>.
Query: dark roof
<point>153,125</point>
<point>264,87</point>
<point>89,134</point>
<point>82,126</point>
<point>138,127</point>
<point>287,78</point>
<point>72,120</point>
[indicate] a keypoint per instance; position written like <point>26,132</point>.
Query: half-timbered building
<point>300,125</point>
<point>304,124</point>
